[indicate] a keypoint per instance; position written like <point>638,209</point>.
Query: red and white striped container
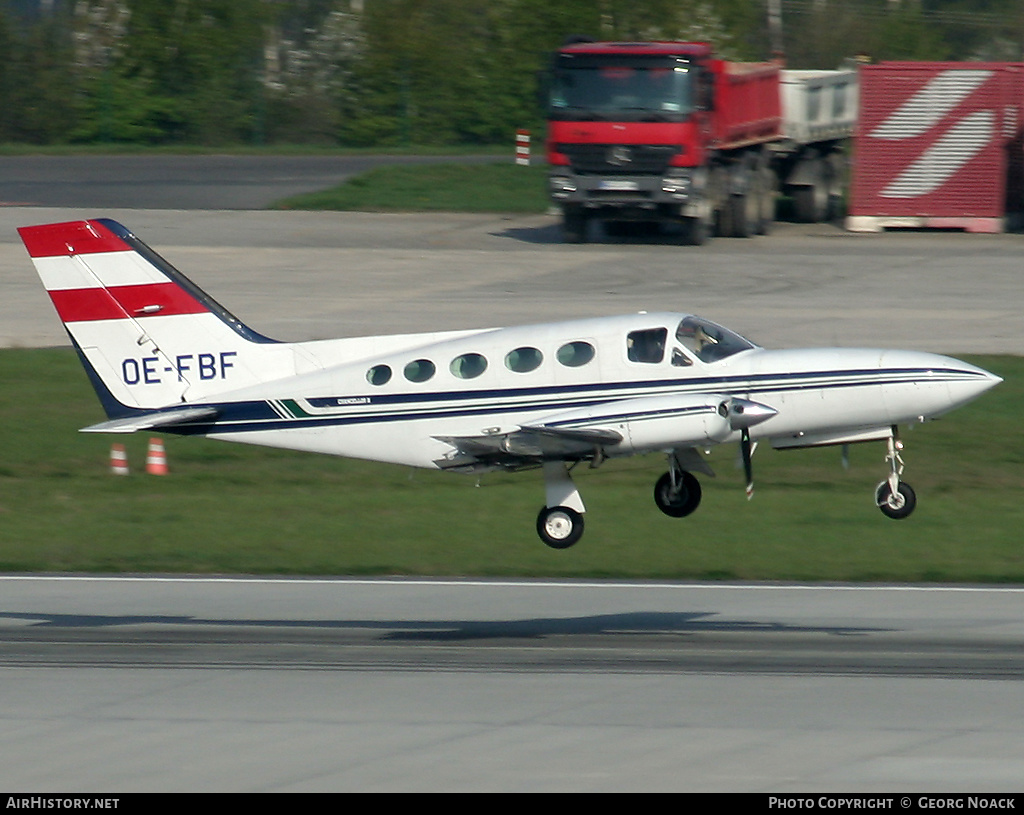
<point>937,146</point>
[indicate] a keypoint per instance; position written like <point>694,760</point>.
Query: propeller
<point>747,451</point>
<point>744,414</point>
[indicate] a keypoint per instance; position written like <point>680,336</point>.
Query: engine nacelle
<point>660,422</point>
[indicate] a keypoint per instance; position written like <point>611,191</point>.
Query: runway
<point>287,685</point>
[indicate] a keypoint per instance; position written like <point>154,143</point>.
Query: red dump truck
<point>665,132</point>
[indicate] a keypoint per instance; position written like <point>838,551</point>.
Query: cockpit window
<point>680,360</point>
<point>710,342</point>
<point>647,345</point>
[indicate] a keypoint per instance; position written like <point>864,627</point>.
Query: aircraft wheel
<point>681,503</point>
<point>898,505</point>
<point>559,527</point>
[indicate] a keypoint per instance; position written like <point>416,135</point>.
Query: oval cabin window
<point>575,354</point>
<point>419,370</point>
<point>523,360</point>
<point>468,366</point>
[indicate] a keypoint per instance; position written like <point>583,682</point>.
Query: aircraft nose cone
<point>966,381</point>
<point>949,382</point>
<point>981,380</point>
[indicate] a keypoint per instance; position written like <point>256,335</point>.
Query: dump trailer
<point>667,133</point>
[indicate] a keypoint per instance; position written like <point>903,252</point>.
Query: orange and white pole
<point>523,147</point>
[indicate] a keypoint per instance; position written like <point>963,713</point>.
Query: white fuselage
<point>820,395</point>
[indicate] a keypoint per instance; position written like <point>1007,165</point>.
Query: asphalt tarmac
<point>155,684</point>
<point>195,182</point>
<point>298,275</point>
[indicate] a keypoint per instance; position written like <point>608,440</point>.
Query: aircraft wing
<point>526,447</point>
<point>664,422</point>
<point>151,421</point>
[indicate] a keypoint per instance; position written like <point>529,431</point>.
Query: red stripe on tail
<point>71,238</point>
<point>119,302</point>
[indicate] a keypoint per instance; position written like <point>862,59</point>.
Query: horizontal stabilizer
<point>150,421</point>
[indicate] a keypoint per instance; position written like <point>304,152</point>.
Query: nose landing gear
<point>896,499</point>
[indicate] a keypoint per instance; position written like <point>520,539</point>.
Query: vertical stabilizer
<point>148,336</point>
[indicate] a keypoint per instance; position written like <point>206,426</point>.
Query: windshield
<point>624,90</point>
<point>708,341</point>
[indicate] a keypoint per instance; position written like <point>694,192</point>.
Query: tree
<point>36,80</point>
<point>116,99</point>
<point>202,57</point>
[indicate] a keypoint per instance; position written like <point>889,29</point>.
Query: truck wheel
<point>744,214</point>
<point>766,200</point>
<point>836,165</point>
<point>811,201</point>
<point>718,201</point>
<point>695,231</point>
<point>723,220</point>
<point>574,224</point>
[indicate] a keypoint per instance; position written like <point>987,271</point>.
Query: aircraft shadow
<point>624,624</point>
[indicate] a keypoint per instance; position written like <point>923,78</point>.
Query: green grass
<point>228,508</point>
<point>491,187</point>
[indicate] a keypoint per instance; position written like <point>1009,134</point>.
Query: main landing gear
<point>559,527</point>
<point>896,499</point>
<point>677,492</point>
<point>560,523</point>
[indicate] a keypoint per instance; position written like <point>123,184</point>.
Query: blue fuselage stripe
<point>269,415</point>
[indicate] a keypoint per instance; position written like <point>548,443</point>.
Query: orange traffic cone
<point>156,459</point>
<point>118,460</point>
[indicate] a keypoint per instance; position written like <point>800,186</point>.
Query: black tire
<point>811,201</point>
<point>682,503</point>
<point>742,218</point>
<point>559,527</point>
<point>766,200</point>
<point>896,506</point>
<point>695,231</point>
<point>574,224</point>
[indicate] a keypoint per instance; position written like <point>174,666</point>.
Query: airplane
<point>162,355</point>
